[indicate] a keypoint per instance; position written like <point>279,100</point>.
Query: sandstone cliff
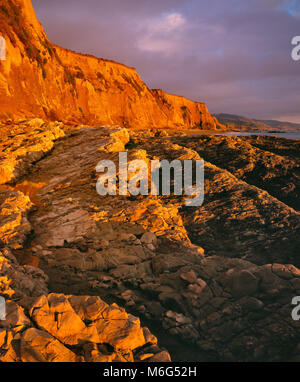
<point>39,79</point>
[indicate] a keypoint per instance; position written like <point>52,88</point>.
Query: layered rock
<point>42,327</point>
<point>59,328</point>
<point>20,281</point>
<point>261,161</point>
<point>236,219</point>
<point>39,79</point>
<point>32,139</point>
<point>156,258</point>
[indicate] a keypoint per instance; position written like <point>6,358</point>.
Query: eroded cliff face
<point>39,79</point>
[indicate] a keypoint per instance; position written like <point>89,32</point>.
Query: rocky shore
<point>77,269</point>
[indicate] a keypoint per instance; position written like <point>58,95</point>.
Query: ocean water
<point>289,134</point>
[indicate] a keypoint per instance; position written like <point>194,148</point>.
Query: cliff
<point>39,79</point>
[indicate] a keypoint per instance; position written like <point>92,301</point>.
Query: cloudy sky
<point>235,55</point>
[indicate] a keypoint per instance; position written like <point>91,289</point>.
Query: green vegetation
<point>47,45</point>
<point>133,83</point>
<point>118,85</point>
<point>131,145</point>
<point>100,76</point>
<point>185,112</point>
<point>79,74</point>
<point>69,77</point>
<point>103,80</point>
<point>4,10</point>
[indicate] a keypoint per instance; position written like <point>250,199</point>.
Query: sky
<point>234,55</point>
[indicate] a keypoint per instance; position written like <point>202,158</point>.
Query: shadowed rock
<point>142,253</point>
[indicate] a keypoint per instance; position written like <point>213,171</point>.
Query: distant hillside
<point>237,122</point>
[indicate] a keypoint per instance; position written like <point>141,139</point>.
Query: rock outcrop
<point>20,281</point>
<point>218,279</point>
<point>273,165</point>
<point>32,139</point>
<point>237,219</point>
<point>42,327</point>
<point>59,328</point>
<point>39,79</point>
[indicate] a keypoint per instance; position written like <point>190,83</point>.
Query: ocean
<point>289,134</point>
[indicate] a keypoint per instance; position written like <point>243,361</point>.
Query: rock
<point>149,238</point>
<point>111,335</point>
<point>18,281</point>
<point>94,353</point>
<point>128,237</point>
<point>14,225</point>
<point>190,277</point>
<point>15,320</point>
<point>148,356</point>
<point>285,271</point>
<point>12,354</point>
<point>30,143</point>
<point>195,288</point>
<point>118,139</point>
<point>119,329</point>
<point>179,318</point>
<point>242,283</point>
<point>56,316</point>
<point>245,283</point>
<point>3,334</point>
<point>149,337</point>
<point>256,160</point>
<point>70,227</point>
<point>163,356</point>
<point>70,257</point>
<point>39,346</point>
<point>251,304</point>
<point>88,308</point>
